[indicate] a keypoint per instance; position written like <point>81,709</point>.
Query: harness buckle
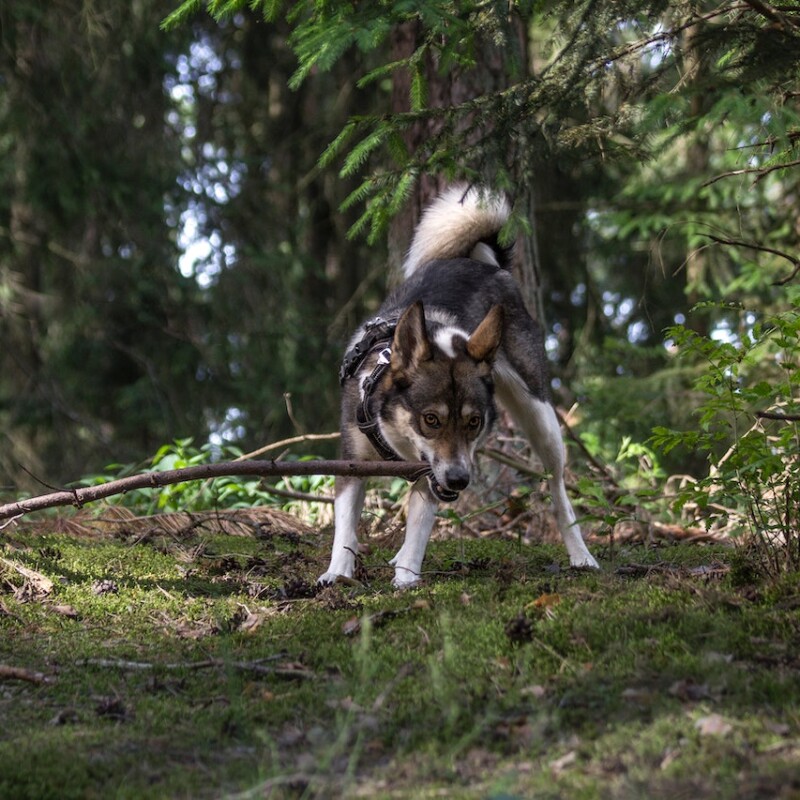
<point>377,332</point>
<point>384,357</point>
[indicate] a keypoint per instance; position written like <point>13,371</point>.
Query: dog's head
<point>439,393</point>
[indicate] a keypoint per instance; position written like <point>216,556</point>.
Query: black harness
<point>378,335</point>
<point>378,332</point>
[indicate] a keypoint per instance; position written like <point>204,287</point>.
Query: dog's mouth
<point>440,492</point>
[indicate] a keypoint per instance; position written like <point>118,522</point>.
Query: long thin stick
<point>22,674</point>
<point>152,480</point>
<point>303,437</point>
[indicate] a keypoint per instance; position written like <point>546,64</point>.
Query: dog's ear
<point>411,345</point>
<point>485,339</point>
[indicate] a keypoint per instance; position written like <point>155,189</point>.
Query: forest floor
<point>144,661</point>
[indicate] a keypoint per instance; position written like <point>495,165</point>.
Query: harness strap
<point>367,422</point>
<point>377,332</point>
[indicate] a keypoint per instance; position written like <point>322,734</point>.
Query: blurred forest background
<point>193,216</point>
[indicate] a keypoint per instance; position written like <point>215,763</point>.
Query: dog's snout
<point>456,478</point>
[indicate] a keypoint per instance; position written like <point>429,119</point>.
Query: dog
<point>419,380</point>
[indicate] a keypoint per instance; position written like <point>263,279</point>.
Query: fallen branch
<point>525,469</point>
<point>42,583</point>
<point>288,670</point>
<point>305,437</point>
<point>304,497</point>
<point>598,465</point>
<point>154,480</point>
<point>22,674</point>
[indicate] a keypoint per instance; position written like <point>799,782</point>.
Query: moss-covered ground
<point>202,665</point>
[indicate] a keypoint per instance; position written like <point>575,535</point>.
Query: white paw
<point>328,578</point>
<point>584,561</point>
<point>404,583</point>
<point>405,577</point>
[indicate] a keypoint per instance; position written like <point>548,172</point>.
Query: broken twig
<point>288,670</point>
<point>22,674</point>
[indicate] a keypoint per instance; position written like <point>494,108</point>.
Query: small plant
<point>748,430</point>
<point>627,490</point>
<point>298,491</point>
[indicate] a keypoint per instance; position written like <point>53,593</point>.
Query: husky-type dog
<point>419,379</point>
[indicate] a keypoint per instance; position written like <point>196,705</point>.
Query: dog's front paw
<point>328,578</point>
<point>403,585</point>
<point>584,561</point>
<point>405,578</point>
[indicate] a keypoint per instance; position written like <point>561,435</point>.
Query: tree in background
<point>169,261</point>
<point>191,179</point>
<point>263,240</point>
<point>99,330</point>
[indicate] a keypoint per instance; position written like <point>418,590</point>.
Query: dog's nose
<point>456,478</point>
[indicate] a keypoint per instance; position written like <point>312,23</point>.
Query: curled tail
<point>463,222</point>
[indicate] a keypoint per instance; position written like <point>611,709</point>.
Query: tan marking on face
<point>401,435</point>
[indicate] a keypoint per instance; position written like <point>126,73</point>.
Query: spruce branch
<point>775,15</point>
<point>778,415</point>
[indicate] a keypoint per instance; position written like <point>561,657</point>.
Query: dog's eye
<point>431,420</point>
<point>474,422</point>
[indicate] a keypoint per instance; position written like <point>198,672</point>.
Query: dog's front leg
<point>347,512</point>
<point>421,516</point>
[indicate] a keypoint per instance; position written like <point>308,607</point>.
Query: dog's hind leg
<point>421,516</point>
<point>347,513</point>
<point>539,422</point>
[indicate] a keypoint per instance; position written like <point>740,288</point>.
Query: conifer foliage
<point>198,201</point>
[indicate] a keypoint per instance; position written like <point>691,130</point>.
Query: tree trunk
<point>697,163</point>
<point>404,43</point>
<point>490,75</point>
<point>21,278</point>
